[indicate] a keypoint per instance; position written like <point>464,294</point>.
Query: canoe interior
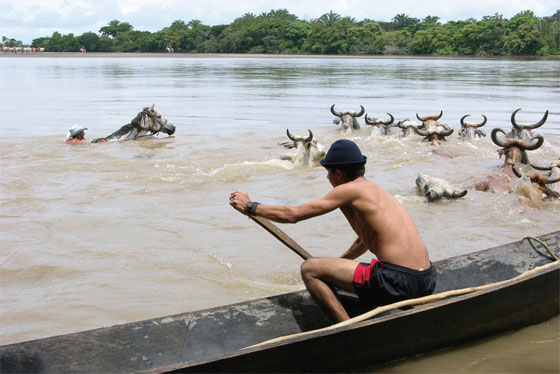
<point>213,339</point>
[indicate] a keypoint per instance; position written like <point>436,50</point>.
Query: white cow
<point>308,151</point>
<point>408,127</point>
<point>348,118</point>
<point>434,188</point>
<point>521,131</point>
<point>470,130</point>
<point>382,124</point>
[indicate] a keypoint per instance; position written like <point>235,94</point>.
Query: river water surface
<point>94,235</point>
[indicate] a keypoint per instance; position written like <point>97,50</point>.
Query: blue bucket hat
<point>343,152</point>
<point>74,130</point>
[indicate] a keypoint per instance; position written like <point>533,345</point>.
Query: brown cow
<point>432,130</point>
<point>515,150</point>
<point>539,188</point>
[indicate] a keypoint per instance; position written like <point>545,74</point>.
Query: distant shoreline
<point>248,55</point>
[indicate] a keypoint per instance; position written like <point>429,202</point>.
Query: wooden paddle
<point>282,236</point>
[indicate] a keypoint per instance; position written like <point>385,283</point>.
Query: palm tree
<point>329,19</point>
<point>194,23</point>
<point>282,13</point>
<point>402,20</point>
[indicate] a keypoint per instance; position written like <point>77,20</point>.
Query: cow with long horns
<point>432,130</point>
<point>308,151</point>
<point>524,132</point>
<point>539,187</point>
<point>347,118</point>
<point>553,173</point>
<point>514,150</point>
<point>408,127</point>
<point>470,130</point>
<point>382,124</point>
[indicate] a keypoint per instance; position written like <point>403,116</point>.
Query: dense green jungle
<point>280,32</point>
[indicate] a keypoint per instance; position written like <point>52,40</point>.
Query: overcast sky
<point>26,20</point>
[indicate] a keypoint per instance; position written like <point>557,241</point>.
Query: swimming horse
<point>147,122</point>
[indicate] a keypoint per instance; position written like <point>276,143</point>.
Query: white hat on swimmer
<point>74,130</point>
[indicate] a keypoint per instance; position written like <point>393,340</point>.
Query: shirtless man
<point>76,135</point>
<point>402,267</point>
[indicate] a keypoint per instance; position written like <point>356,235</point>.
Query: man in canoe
<point>402,267</point>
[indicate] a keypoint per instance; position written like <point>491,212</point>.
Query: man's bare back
<point>383,226</point>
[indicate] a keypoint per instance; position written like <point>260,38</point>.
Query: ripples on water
<point>99,234</point>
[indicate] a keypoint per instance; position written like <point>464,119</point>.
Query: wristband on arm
<point>251,208</point>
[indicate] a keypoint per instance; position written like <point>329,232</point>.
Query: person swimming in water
<point>76,135</point>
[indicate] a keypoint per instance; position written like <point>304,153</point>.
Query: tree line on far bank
<point>280,32</point>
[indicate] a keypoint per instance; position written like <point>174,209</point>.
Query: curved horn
<point>422,132</point>
<point>531,146</point>
<point>391,120</point>
<point>445,132</point>
<point>290,135</point>
<point>483,122</point>
<point>550,180</point>
<point>541,168</point>
<point>400,123</point>
<point>466,124</point>
<point>423,119</point>
<point>530,127</point>
<point>541,122</point>
<point>334,111</point>
<point>513,122</point>
<point>381,122</point>
<point>361,113</point>
<point>368,121</point>
<point>496,140</point>
<point>152,107</point>
<point>310,137</point>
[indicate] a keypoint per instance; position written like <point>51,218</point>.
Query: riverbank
<point>250,55</point>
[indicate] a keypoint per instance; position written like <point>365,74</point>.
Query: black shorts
<point>384,283</point>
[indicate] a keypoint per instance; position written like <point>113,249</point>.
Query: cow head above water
<point>515,150</point>
<point>540,186</point>
<point>553,170</point>
<point>348,118</point>
<point>147,122</point>
<point>432,130</point>
<point>308,151</point>
<point>408,127</point>
<point>470,130</point>
<point>381,123</point>
<point>435,189</point>
<point>523,132</point>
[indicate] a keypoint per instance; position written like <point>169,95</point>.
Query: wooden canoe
<point>223,339</point>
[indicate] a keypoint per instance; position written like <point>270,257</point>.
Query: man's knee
<point>307,268</point>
